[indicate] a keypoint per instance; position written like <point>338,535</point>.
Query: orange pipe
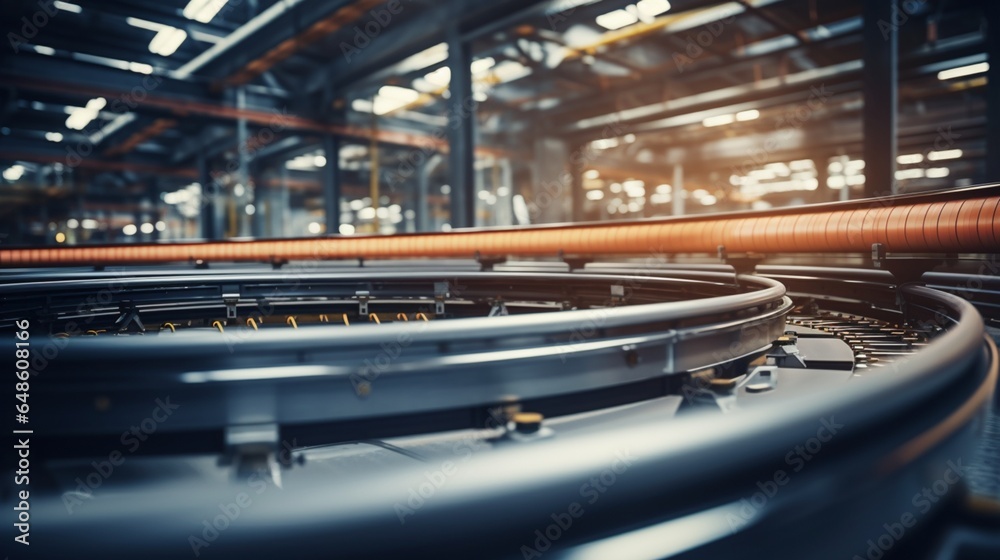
<point>927,224</point>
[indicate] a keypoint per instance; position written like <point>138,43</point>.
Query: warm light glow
<point>616,19</point>
<point>60,237</point>
<point>904,174</point>
<point>938,172</point>
<point>963,71</point>
<point>747,115</point>
<point>719,120</point>
<point>167,41</point>
<point>652,8</point>
<point>390,98</point>
<point>944,154</point>
<point>67,7</point>
<point>13,173</point>
<point>80,117</point>
<point>203,10</point>
<point>909,159</point>
<point>129,229</point>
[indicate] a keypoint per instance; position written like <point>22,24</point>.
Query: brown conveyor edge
<point>955,221</point>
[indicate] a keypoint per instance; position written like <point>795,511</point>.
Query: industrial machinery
<point>812,382</point>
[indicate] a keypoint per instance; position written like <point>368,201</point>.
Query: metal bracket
<point>617,295</point>
<point>253,448</point>
<point>363,297</point>
<point>745,264</point>
<point>486,264</point>
<point>499,309</point>
<point>575,262</point>
<point>908,269</point>
<point>441,291</point>
<point>231,296</point>
<point>128,317</point>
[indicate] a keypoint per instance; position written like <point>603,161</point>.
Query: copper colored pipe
<point>966,221</point>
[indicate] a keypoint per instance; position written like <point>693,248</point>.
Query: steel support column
<point>208,200</point>
<point>331,183</point>
<point>993,91</point>
<point>576,170</point>
<point>679,193</point>
<point>881,79</point>
<point>461,126</point>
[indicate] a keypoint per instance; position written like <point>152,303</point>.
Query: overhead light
<point>595,194</point>
<point>510,70</point>
<point>319,161</point>
<point>146,24</point>
<point>315,227</point>
<point>664,189</point>
<point>591,174</point>
<point>147,228</point>
<point>963,71</point>
<point>855,180</point>
<point>42,49</point>
<point>699,193</point>
<point>944,154</point>
<point>763,174</point>
<point>161,226</point>
<point>60,237</point>
<point>604,144</point>
<point>718,120</point>
<point>747,115</point>
<point>709,200</point>
<point>616,19</point>
<point>167,41</point>
<point>652,8</point>
<point>801,164</point>
<point>634,188</point>
<point>80,117</point>
<point>836,182</point>
<point>140,68</point>
<point>54,136</point>
<point>346,229</point>
<point>909,159</point>
<point>67,7</point>
<point>72,223</point>
<point>390,98</point>
<point>250,209</point>
<point>482,65</point>
<point>938,172</point>
<point>904,174</point>
<point>129,229</point>
<point>203,10</point>
<point>13,173</point>
<point>239,190</point>
<point>89,223</point>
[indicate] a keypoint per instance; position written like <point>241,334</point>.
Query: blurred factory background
<point>128,121</point>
